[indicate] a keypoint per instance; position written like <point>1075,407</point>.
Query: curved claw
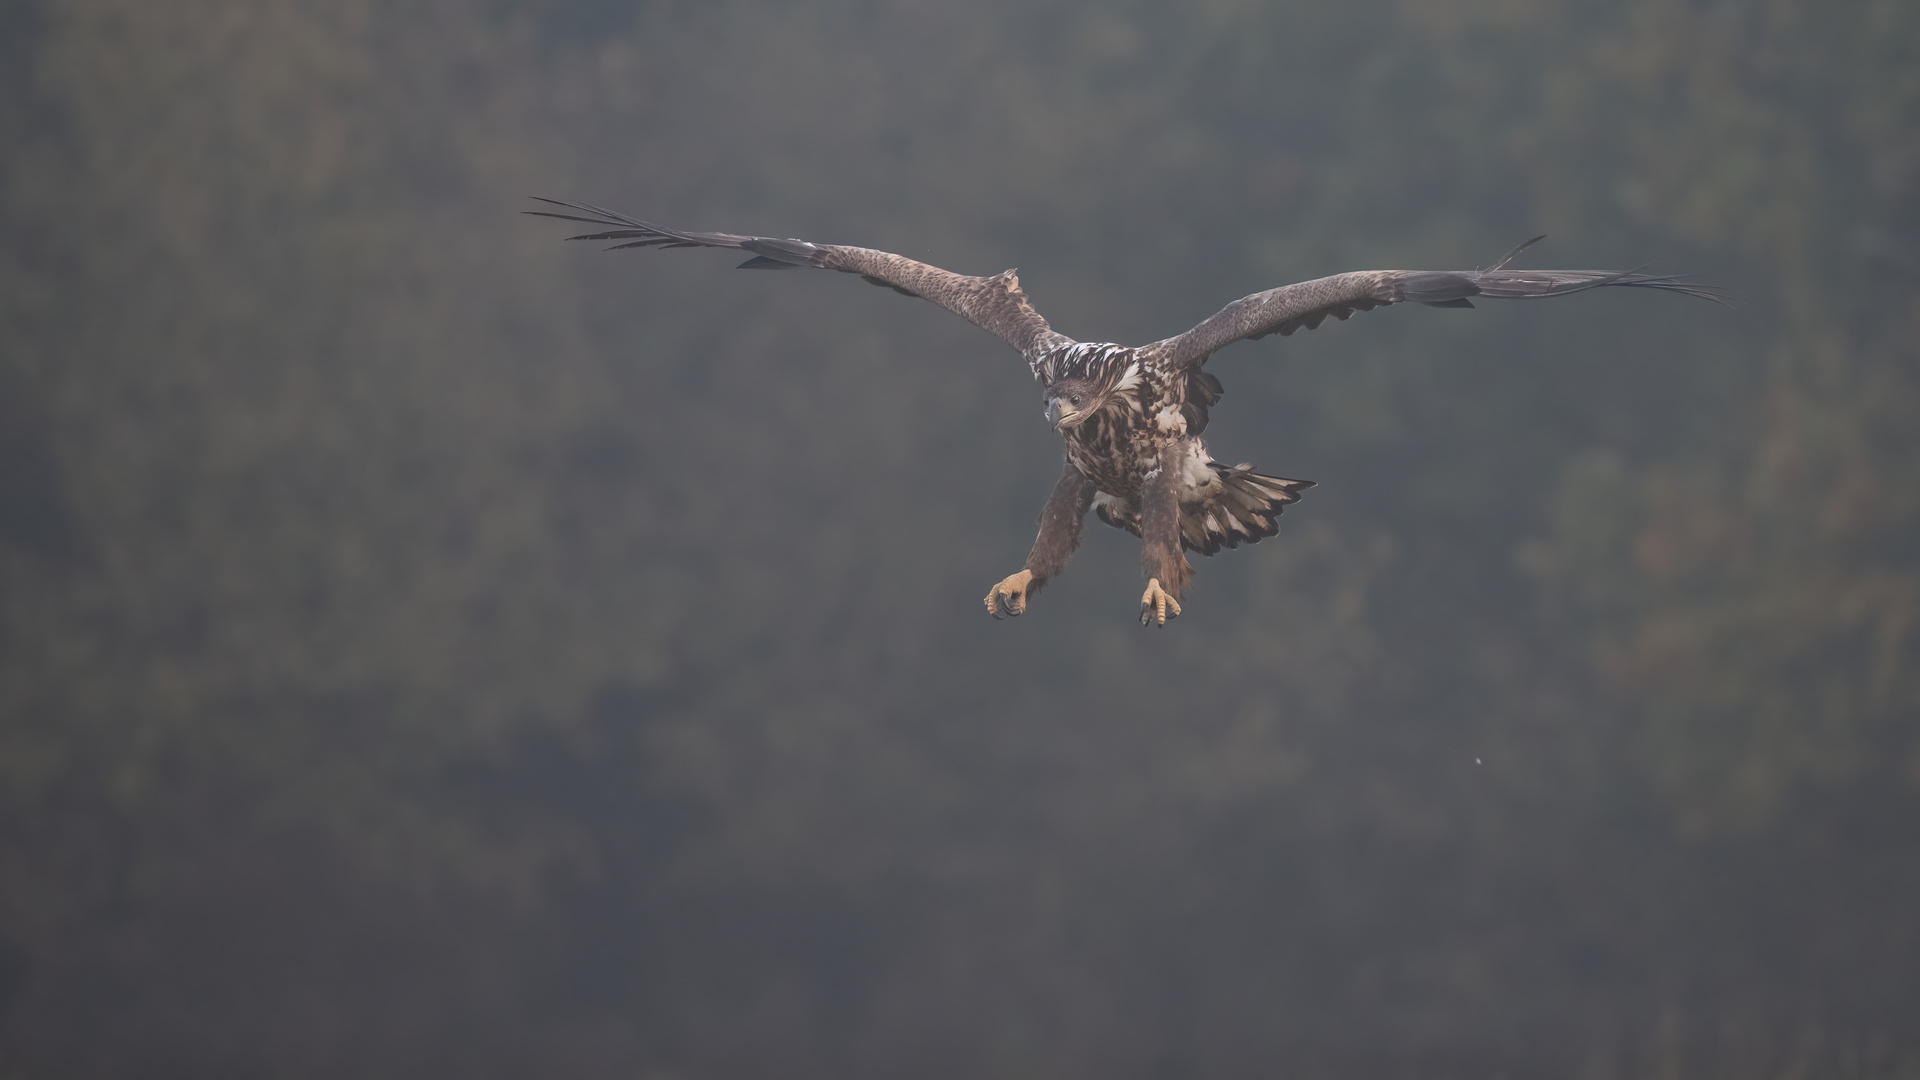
<point>1157,605</point>
<point>1009,595</point>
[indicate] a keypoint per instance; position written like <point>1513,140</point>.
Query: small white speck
<point>1476,761</point>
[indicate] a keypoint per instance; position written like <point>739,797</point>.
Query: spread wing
<point>1310,303</point>
<point>994,304</point>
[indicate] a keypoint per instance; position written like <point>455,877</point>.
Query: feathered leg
<point>1060,523</point>
<point>1166,569</point>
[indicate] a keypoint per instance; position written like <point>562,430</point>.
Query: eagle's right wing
<point>995,304</point>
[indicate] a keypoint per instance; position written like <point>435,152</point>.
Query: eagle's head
<point>1081,379</point>
<point>1070,402</point>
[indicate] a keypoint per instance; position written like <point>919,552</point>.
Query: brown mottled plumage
<point>1132,417</point>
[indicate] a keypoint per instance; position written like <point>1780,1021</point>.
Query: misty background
<point>430,648</point>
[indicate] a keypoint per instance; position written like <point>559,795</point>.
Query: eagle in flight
<point>1132,416</point>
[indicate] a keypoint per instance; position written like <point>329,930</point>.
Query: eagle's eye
<point>1078,401</point>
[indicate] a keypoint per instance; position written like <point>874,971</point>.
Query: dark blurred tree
<point>1758,592</point>
<point>429,647</point>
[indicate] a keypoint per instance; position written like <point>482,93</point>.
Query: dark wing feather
<point>995,304</point>
<point>1310,303</point>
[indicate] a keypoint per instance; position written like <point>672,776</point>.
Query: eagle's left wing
<point>995,304</point>
<point>1310,303</point>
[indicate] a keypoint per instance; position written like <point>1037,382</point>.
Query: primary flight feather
<point>1132,416</point>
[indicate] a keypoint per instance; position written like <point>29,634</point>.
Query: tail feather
<point>1245,511</point>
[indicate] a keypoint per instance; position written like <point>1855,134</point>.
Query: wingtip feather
<point>1509,256</point>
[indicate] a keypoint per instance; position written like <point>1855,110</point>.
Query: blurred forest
<point>428,648</point>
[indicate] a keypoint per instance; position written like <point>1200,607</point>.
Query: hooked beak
<point>1053,413</point>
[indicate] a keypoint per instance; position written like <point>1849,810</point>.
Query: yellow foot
<point>1156,605</point>
<point>1009,597</point>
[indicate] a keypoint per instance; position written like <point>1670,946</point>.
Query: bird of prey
<point>1132,416</point>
